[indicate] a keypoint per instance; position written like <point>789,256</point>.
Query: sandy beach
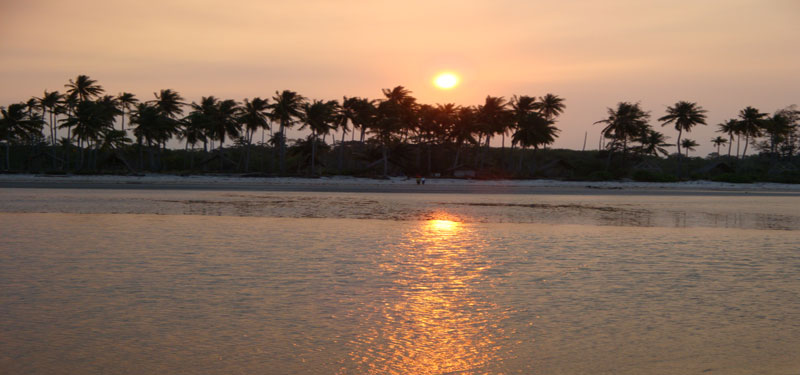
<point>391,185</point>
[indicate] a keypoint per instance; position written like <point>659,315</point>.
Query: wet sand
<point>393,185</point>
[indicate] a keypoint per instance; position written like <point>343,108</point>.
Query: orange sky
<point>724,54</point>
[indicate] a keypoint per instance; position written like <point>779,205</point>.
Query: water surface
<point>197,282</point>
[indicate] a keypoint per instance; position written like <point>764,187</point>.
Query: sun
<point>446,81</point>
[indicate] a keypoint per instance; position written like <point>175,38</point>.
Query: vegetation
<point>76,132</point>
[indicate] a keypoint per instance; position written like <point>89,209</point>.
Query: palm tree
<point>719,141</point>
<point>348,112</point>
<point>386,124</point>
<point>406,108</point>
<point>730,128</point>
<point>319,116</point>
<point>534,131</point>
<point>653,143</point>
<point>551,106</point>
<point>286,109</point>
<point>521,106</point>
<point>684,115</point>
<point>493,118</point>
<point>17,126</point>
<point>217,118</point>
<point>90,120</point>
<point>627,121</point>
<point>50,102</point>
<point>689,145</point>
<point>464,130</point>
<point>126,100</point>
<point>750,124</point>
<point>152,126</point>
<point>169,102</point>
<point>254,117</point>
<point>83,88</point>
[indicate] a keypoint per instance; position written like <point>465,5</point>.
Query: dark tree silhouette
<point>628,121</point>
<point>750,124</point>
<point>286,109</point>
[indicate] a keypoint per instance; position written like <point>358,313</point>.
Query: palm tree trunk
<point>313,149</point>
<point>678,143</point>
<point>385,161</point>
<point>730,146</point>
<point>746,141</point>
<point>455,161</point>
<point>249,148</point>
<point>282,153</point>
<point>429,158</point>
<point>738,142</point>
<point>341,150</point>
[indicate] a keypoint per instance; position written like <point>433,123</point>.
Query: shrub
<point>648,176</point>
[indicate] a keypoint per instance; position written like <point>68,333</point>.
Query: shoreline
<point>342,184</point>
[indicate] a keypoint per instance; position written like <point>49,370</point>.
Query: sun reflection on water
<point>437,316</point>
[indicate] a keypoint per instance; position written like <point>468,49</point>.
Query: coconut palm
<point>653,143</point>
<point>627,122</point>
<point>405,106</point>
<point>320,117</point>
<point>50,103</point>
<point>719,141</point>
<point>493,118</point>
<point>387,124</point>
<point>689,145</point>
<point>534,131</point>
<point>16,126</point>
<point>730,128</point>
<point>153,126</point>
<point>225,121</point>
<point>750,124</point>
<point>90,120</point>
<point>126,100</point>
<point>551,106</point>
<point>464,130</point>
<point>521,106</point>
<point>347,113</point>
<point>685,115</point>
<point>169,102</point>
<point>84,88</point>
<point>286,109</point>
<point>254,116</point>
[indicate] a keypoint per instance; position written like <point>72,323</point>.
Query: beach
<point>389,185</point>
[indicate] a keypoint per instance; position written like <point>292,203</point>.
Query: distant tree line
<point>84,130</point>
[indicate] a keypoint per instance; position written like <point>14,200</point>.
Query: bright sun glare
<point>446,81</point>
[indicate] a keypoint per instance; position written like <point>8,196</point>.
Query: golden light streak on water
<point>441,322</point>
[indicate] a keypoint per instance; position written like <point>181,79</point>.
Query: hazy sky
<point>723,54</point>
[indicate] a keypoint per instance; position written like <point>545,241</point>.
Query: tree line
<point>386,134</point>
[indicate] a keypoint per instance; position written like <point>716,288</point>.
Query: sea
<point>116,281</point>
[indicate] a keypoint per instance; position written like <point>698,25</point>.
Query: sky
<point>723,54</point>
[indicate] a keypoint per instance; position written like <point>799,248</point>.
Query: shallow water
<point>716,211</point>
<point>475,285</point>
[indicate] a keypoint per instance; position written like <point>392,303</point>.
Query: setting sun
<point>446,81</point>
